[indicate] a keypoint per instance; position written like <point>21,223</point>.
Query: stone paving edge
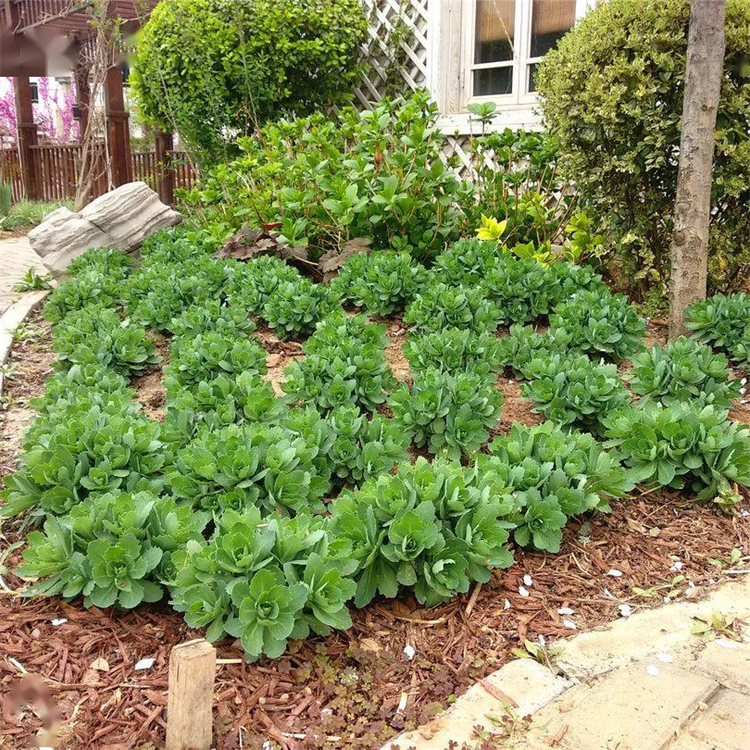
<point>15,314</point>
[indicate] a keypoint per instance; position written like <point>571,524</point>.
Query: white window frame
<point>520,63</point>
<point>451,35</point>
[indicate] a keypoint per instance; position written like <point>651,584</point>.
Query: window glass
<point>489,81</point>
<point>550,19</point>
<point>495,31</point>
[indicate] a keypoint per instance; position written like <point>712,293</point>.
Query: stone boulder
<point>122,218</point>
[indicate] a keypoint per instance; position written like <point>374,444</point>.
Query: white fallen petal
<point>410,651</point>
<point>566,611</point>
<point>267,745</point>
<point>506,605</point>
<point>527,580</point>
<point>726,643</point>
<point>614,573</point>
<point>522,591</point>
<point>625,610</point>
<point>145,664</point>
<point>676,566</point>
<point>743,381</point>
<point>402,703</point>
<point>667,658</point>
<point>570,625</point>
<point>59,621</point>
<point>653,670</point>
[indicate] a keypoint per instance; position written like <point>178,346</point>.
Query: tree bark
<point>705,65</point>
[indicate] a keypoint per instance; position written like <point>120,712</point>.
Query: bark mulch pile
<point>77,671</point>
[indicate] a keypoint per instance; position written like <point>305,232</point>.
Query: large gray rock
<point>122,218</point>
<point>130,214</point>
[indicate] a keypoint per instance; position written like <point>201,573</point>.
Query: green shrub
<point>98,336</point>
<point>264,583</point>
<point>523,290</point>
<point>441,306</point>
<point>434,527</point>
<point>111,548</point>
<point>296,307</point>
<point>465,262</point>
<point>572,390</point>
<point>105,260</point>
<point>522,345</point>
<point>214,68</point>
<point>218,402</point>
<point>89,451</point>
<point>252,464</point>
<point>257,280</point>
<point>683,371</point>
<point>599,323</point>
<point>449,414</point>
<point>612,96</point>
<point>212,316</point>
<point>345,365</point>
<point>382,283</point>
<point>362,447</point>
<point>685,443</point>
<point>723,321</point>
<point>207,355</point>
<point>454,350</point>
<point>88,288</point>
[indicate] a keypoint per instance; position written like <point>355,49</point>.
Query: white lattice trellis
<point>396,49</point>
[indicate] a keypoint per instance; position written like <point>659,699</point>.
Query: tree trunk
<point>705,64</point>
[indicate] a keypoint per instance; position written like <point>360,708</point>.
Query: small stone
<point>565,611</point>
<point>506,606</point>
<point>523,592</point>
<point>653,670</point>
<point>726,643</point>
<point>410,651</point>
<point>570,625</point>
<point>527,580</point>
<point>144,664</point>
<point>666,658</point>
<point>59,621</point>
<point>614,572</point>
<point>625,610</point>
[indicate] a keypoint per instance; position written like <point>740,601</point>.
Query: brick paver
<point>16,256</point>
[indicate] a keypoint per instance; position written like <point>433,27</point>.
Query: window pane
<point>532,82</point>
<point>494,31</point>
<point>549,21</point>
<point>492,81</point>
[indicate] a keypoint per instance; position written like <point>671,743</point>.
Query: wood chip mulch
<point>68,676</point>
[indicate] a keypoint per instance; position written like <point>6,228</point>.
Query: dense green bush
<point>599,323</point>
<point>455,350</point>
<point>440,306</point>
<point>92,450</point>
<point>723,321</point>
<point>207,355</point>
<point>684,370</point>
<point>264,582</point>
<point>345,365</point>
<point>112,548</point>
<point>449,414</point>
<point>382,283</point>
<point>381,174</point>
<point>523,344</point>
<point>612,96</point>
<point>296,307</point>
<point>215,68</point>
<point>684,443</point>
<point>97,335</point>
<point>572,390</point>
<point>89,287</point>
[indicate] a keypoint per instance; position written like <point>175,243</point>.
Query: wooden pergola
<point>28,30</point>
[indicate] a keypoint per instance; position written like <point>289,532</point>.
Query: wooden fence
<point>57,170</point>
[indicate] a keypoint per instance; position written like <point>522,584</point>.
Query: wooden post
<point>118,129</point>
<point>192,669</point>
<point>27,136</point>
<point>164,149</point>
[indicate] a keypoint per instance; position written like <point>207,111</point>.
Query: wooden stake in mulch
<point>192,669</point>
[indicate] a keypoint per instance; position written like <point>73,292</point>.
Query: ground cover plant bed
<point>371,516</point>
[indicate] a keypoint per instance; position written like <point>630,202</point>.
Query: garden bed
<point>355,688</point>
